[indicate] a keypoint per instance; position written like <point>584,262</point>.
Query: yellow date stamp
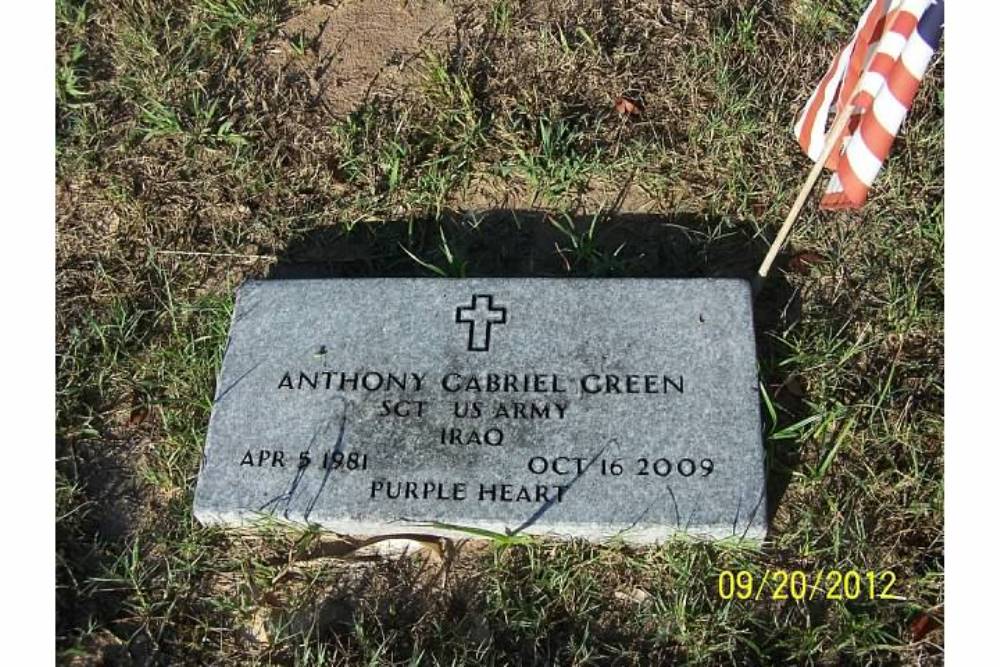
<point>800,585</point>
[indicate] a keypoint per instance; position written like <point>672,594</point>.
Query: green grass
<point>553,163</point>
<point>174,134</point>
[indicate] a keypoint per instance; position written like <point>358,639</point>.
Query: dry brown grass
<point>177,133</point>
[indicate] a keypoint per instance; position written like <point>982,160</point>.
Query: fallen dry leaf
<point>138,415</point>
<point>395,545</point>
<point>139,411</point>
<point>256,629</point>
<point>802,262</point>
<point>626,106</point>
<point>399,546</point>
<point>923,624</point>
<point>636,595</point>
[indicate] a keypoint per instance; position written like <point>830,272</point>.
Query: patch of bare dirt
<point>110,471</point>
<point>362,50</point>
<point>101,648</point>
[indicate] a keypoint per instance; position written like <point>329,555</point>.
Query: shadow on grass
<point>533,243</point>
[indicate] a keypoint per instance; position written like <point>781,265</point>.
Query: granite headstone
<point>594,408</point>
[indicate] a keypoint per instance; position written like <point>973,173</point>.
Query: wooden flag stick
<point>839,123</point>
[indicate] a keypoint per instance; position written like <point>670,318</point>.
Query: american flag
<point>876,75</point>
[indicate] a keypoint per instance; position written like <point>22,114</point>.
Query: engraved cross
<point>480,317</point>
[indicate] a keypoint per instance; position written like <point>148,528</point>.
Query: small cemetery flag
<point>876,76</point>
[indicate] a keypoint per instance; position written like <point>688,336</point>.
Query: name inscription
<point>491,383</point>
<point>421,389</point>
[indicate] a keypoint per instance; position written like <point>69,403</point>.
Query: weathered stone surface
<point>568,407</point>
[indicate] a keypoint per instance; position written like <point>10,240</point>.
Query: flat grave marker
<point>593,408</point>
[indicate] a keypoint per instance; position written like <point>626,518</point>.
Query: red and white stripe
<point>842,74</point>
<point>880,73</point>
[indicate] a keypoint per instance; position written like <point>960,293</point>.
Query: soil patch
<point>362,50</point>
